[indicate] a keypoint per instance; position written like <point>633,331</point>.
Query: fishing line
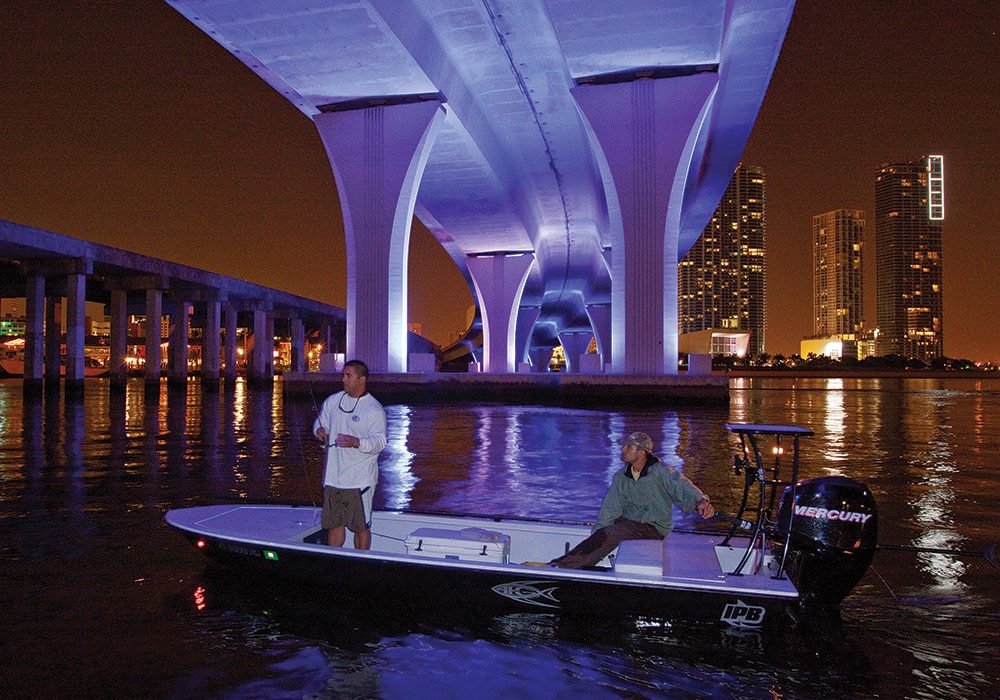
<point>989,553</point>
<point>884,583</point>
<point>312,394</point>
<point>302,454</point>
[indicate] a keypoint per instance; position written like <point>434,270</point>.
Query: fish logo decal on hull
<point>530,592</point>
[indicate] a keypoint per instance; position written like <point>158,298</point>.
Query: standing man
<point>351,424</point>
<point>639,504</point>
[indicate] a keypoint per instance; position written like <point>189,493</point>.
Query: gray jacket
<point>650,498</point>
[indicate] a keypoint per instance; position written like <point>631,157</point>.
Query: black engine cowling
<point>834,534</point>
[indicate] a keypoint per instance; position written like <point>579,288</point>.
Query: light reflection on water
<point>84,485</point>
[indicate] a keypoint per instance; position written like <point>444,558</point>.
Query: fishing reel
<point>751,473</point>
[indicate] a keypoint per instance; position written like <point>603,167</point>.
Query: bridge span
<point>47,268</point>
<point>565,153</point>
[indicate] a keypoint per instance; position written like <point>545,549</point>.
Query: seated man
<point>638,504</point>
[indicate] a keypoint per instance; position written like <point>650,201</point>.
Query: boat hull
<point>279,543</point>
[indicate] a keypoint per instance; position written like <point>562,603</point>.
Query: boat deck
<point>683,560</point>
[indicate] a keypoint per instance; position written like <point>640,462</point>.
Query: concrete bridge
<point>46,268</point>
<point>565,153</point>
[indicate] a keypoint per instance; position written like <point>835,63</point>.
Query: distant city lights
<point>935,188</point>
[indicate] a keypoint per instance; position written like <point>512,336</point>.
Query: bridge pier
<point>499,280</point>
<point>648,130</point>
<point>34,331</point>
<point>119,339</point>
<point>177,344</point>
<point>229,350</point>
<point>211,343</point>
<point>378,154</point>
<point>575,346</point>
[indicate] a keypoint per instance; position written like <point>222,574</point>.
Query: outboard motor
<point>834,533</point>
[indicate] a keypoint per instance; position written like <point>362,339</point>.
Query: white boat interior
<point>683,560</point>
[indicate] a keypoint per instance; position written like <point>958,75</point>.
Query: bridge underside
<point>565,153</point>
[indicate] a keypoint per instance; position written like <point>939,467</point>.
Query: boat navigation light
<point>200,544</point>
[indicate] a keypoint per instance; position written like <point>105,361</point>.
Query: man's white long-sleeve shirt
<point>363,418</point>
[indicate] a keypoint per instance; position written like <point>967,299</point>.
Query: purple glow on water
<point>92,579</point>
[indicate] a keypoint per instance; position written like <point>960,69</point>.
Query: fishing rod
<point>988,553</point>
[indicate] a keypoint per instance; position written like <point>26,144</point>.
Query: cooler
<point>471,544</point>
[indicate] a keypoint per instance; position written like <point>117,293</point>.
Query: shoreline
<point>583,390</point>
<point>861,374</point>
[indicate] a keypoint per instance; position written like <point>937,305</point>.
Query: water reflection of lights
<point>739,403</point>
<point>199,598</point>
<point>935,509</point>
<point>947,570</point>
<point>668,449</point>
<point>501,441</point>
<point>396,477</point>
<point>834,420</point>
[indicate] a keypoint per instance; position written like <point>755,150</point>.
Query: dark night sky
<point>123,124</point>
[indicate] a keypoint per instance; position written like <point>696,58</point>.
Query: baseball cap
<point>640,440</point>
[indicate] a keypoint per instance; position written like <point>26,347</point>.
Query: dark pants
<point>603,542</point>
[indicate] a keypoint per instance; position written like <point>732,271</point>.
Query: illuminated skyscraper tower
<point>838,286</point>
<point>909,209</point>
<point>721,279</point>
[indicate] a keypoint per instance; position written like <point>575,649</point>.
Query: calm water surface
<point>101,599</point>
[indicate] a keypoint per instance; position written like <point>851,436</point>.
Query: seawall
<point>576,390</point>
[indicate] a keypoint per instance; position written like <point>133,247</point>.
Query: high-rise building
<point>838,280</point>
<point>721,279</point>
<point>909,209</point>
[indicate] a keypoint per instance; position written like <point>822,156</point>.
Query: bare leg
<point>336,536</point>
<point>363,539</point>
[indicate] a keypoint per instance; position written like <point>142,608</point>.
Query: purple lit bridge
<point>565,153</point>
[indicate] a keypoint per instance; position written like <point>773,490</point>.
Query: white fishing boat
<point>792,546</point>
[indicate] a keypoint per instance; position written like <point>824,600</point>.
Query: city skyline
<point>861,84</point>
<point>129,127</point>
<point>721,281</point>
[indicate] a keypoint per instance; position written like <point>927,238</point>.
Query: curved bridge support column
<point>526,317</point>
<point>540,359</point>
<point>499,280</point>
<point>647,129</point>
<point>600,320</point>
<point>574,347</point>
<point>378,155</point>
